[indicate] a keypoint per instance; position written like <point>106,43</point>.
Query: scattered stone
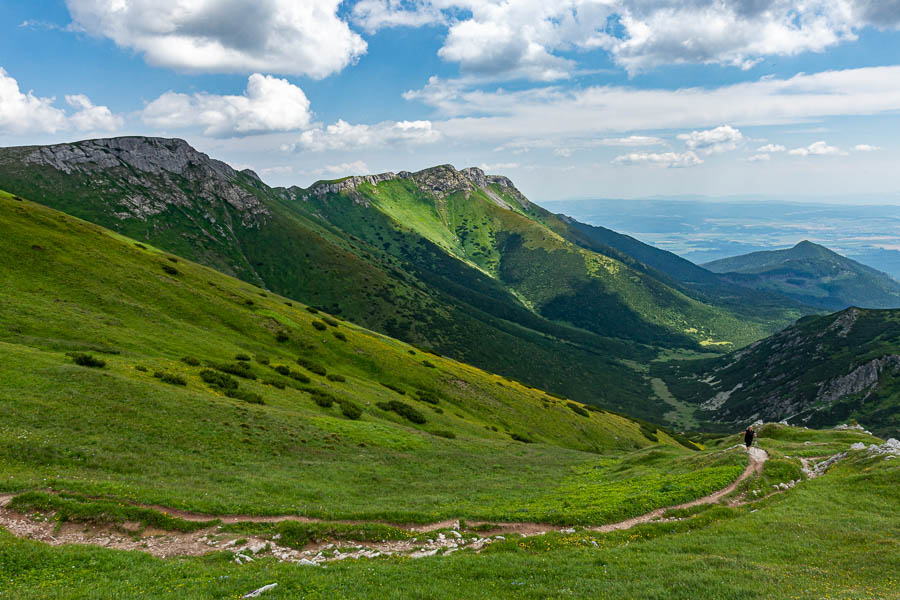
<point>858,446</point>
<point>889,448</point>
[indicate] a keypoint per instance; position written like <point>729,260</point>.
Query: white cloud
<point>713,141</point>
<point>553,114</point>
<point>631,140</point>
<point>866,148</point>
<point>819,148</point>
<point>22,114</point>
<point>759,158</point>
<point>771,148</point>
<point>664,159</point>
<point>532,38</point>
<point>345,136</point>
<point>90,117</point>
<point>277,170</point>
<point>26,113</point>
<point>232,36</point>
<point>355,168</point>
<point>268,104</point>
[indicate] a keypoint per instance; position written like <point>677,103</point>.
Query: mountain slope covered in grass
<point>814,275</point>
<point>128,371</point>
<point>820,372</point>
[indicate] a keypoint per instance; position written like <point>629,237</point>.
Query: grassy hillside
<point>832,537</point>
<point>820,372</point>
<point>218,396</point>
<point>814,275</point>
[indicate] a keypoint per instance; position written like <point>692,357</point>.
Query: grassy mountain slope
<point>836,536</point>
<point>315,421</point>
<point>814,275</point>
<point>164,192</point>
<point>821,371</point>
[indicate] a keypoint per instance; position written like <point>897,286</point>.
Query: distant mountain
<point>457,261</point>
<point>822,371</point>
<point>814,275</point>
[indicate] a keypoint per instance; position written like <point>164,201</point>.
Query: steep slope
<point>814,275</point>
<point>164,192</point>
<point>821,371</point>
<point>130,372</point>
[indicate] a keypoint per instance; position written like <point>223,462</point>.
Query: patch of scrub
<point>682,413</point>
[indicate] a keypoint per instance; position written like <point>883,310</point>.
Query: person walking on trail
<point>748,436</point>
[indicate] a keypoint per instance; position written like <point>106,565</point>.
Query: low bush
<point>557,396</point>
<point>282,337</point>
<point>324,400</point>
<point>218,380</point>
<point>299,377</point>
<point>263,360</point>
<point>274,383</point>
<point>393,387</point>
<point>319,325</point>
<point>86,360</point>
<point>404,410</point>
<point>242,357</point>
<point>251,397</point>
<point>140,368</point>
<point>427,396</point>
<point>170,269</point>
<point>521,438</point>
<point>336,377</point>
<point>340,336</point>
<point>429,364</point>
<point>444,434</point>
<point>330,321</point>
<point>141,246</point>
<point>282,370</point>
<point>578,410</point>
<point>240,369</point>
<point>311,366</point>
<point>350,409</point>
<point>172,259</point>
<point>312,310</point>
<point>649,431</point>
<point>170,378</point>
<point>191,360</point>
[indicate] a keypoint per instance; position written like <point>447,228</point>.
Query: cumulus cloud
<point>22,114</point>
<point>631,140</point>
<point>713,141</point>
<point>90,117</point>
<point>345,136</point>
<point>819,148</point>
<point>495,167</point>
<point>534,38</point>
<point>267,105</point>
<point>233,36</point>
<point>354,168</point>
<point>759,158</point>
<point>771,148</point>
<point>866,148</point>
<point>669,160</point>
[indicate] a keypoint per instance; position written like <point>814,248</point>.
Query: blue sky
<point>575,98</point>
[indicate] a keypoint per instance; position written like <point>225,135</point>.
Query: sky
<point>570,98</point>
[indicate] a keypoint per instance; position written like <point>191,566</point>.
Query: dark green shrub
<point>140,368</point>
<point>141,246</point>
<point>319,325</point>
<point>312,310</point>
<point>413,352</point>
<point>323,400</point>
<point>649,431</point>
<point>242,357</point>
<point>289,304</point>
<point>330,321</point>
<point>521,438</point>
<point>429,364</point>
<point>444,434</point>
<point>427,396</point>
<point>172,258</point>
<point>249,302</point>
<point>311,366</point>
<point>278,384</point>
<point>404,410</point>
<point>263,360</point>
<point>340,336</point>
<point>282,336</point>
<point>578,410</point>
<point>557,396</point>
<point>336,377</point>
<point>170,269</point>
<point>350,409</point>
<point>218,380</point>
<point>240,369</point>
<point>190,360</point>
<point>394,388</point>
<point>86,360</point>
<point>282,370</point>
<point>170,378</point>
<point>299,377</point>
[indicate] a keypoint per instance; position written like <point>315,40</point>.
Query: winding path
<point>166,544</point>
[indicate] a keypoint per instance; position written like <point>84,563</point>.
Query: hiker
<point>748,436</point>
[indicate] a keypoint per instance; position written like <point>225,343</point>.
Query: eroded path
<point>441,537</point>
